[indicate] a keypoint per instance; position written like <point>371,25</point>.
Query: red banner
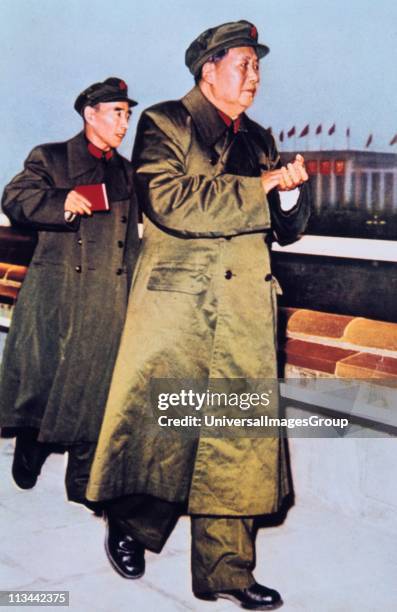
<point>312,166</point>
<point>325,166</point>
<point>339,167</point>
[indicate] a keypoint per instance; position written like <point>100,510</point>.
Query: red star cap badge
<point>254,32</point>
<point>122,85</point>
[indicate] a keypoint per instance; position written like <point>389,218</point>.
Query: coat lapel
<point>80,161</point>
<point>211,127</point>
<point>206,118</point>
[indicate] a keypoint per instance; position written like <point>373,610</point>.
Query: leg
<point>80,458</point>
<point>136,522</point>
<point>223,558</point>
<point>223,553</point>
<point>29,457</point>
<point>145,518</point>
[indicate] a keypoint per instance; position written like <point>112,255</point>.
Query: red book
<point>96,194</point>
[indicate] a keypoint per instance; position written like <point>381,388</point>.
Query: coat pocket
<point>179,276</point>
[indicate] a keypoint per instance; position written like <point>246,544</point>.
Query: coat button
<point>78,269</point>
<point>268,277</point>
<point>214,159</point>
<point>120,244</point>
<point>119,271</point>
<point>228,274</point>
<point>79,241</point>
<point>123,219</point>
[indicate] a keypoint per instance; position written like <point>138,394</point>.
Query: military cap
<point>220,38</point>
<point>111,90</point>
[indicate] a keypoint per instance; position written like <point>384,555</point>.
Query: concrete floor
<point>318,559</point>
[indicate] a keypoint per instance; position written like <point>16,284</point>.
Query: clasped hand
<point>287,177</point>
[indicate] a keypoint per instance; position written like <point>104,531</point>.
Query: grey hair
<point>212,58</point>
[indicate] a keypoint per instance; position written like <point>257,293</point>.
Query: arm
<point>191,205</point>
<point>32,199</point>
<point>289,224</point>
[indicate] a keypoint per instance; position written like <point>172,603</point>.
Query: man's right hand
<point>271,179</point>
<point>287,177</point>
<point>77,204</point>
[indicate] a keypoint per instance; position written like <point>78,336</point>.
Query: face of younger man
<point>106,124</point>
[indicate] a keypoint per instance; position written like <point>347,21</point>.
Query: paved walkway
<point>319,560</point>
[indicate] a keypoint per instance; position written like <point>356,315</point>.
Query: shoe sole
<point>274,606</point>
<point>117,568</point>
<point>216,596</point>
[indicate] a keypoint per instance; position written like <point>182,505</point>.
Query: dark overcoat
<point>202,306</point>
<point>67,322</point>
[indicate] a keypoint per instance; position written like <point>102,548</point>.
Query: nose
<point>253,74</point>
<point>124,123</point>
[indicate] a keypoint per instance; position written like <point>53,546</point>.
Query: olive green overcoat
<point>66,327</point>
<point>202,305</point>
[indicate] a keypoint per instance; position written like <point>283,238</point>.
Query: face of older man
<point>107,123</point>
<point>232,82</point>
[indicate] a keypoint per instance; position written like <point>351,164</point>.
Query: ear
<point>88,114</point>
<point>208,72</point>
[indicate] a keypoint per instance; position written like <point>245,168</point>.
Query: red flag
<point>281,137</point>
<point>319,129</point>
<point>332,129</point>
<point>368,141</point>
<point>304,132</point>
<point>347,132</point>
<point>291,132</point>
<point>393,140</point>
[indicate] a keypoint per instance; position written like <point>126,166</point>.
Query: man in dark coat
<point>202,308</point>
<point>66,327</point>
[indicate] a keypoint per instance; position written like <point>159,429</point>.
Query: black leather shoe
<point>255,597</point>
<point>29,456</point>
<point>124,552</point>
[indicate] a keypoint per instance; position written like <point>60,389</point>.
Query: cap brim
<point>113,98</point>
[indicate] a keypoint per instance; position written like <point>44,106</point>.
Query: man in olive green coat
<point>66,328</point>
<point>202,307</point>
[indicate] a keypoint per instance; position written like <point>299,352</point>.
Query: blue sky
<point>330,61</point>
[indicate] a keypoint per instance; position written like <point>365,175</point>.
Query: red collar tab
<point>229,122</point>
<point>98,153</point>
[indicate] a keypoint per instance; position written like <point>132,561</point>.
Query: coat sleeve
<point>32,198</point>
<point>192,205</point>
<point>288,225</point>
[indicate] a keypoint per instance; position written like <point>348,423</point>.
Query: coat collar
<point>80,159</point>
<point>206,117</point>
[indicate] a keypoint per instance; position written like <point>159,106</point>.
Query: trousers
<point>222,548</point>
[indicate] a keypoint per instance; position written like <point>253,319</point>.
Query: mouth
<point>121,136</point>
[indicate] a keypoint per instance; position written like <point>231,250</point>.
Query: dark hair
<point>212,58</point>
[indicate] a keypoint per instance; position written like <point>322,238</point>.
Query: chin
<point>246,100</point>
